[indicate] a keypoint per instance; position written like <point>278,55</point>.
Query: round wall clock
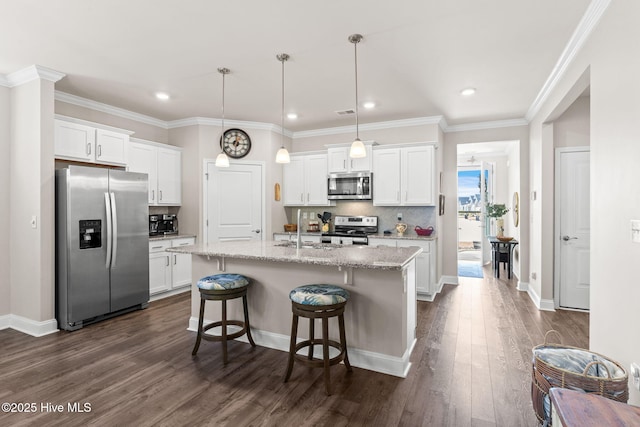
<point>235,143</point>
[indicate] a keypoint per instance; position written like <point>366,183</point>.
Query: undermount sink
<point>325,246</point>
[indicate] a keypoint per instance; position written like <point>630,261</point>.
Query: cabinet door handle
<point>184,244</point>
<point>88,149</point>
<point>99,150</point>
<point>168,261</point>
<point>351,163</point>
<point>301,197</point>
<point>156,247</point>
<point>153,194</point>
<point>175,258</point>
<point>160,194</point>
<point>344,164</point>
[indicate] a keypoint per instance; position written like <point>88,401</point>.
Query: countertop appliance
<point>350,186</point>
<point>160,225</point>
<point>351,230</point>
<point>102,244</point>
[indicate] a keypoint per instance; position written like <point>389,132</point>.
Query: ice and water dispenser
<point>90,233</point>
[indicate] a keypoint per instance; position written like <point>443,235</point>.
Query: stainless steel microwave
<point>350,186</point>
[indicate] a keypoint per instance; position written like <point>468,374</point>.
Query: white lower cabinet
<point>306,238</point>
<point>167,270</point>
<point>426,283</point>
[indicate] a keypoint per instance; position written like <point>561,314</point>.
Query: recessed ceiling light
<point>292,116</point>
<point>369,104</point>
<point>162,96</point>
<point>468,91</point>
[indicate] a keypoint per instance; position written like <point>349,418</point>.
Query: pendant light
<point>282,156</point>
<point>358,149</point>
<point>222,161</point>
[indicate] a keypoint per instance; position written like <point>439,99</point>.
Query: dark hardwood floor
<point>471,366</point>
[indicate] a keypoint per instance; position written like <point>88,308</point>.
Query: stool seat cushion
<point>319,295</point>
<point>222,282</point>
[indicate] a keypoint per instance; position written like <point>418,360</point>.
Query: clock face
<point>235,143</point>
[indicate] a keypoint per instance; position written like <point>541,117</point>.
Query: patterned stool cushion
<point>222,282</point>
<point>319,295</point>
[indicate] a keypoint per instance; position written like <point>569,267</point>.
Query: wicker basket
<point>545,375</point>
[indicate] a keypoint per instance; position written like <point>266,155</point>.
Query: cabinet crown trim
<point>406,145</point>
<point>155,144</point>
<point>93,124</point>
<point>348,144</point>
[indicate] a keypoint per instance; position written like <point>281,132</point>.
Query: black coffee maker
<point>160,225</point>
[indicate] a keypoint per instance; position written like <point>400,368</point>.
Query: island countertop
<point>354,256</point>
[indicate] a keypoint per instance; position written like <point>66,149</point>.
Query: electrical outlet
<point>399,216</point>
<point>34,221</point>
<point>304,215</point>
<point>533,275</point>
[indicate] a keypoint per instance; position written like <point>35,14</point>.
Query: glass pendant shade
<point>358,150</point>
<point>282,156</point>
<point>222,161</point>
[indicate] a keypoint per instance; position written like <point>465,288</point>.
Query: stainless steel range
<point>352,230</point>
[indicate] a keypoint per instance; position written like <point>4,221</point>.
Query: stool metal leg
<point>292,347</point>
<point>312,336</point>
<point>200,331</point>
<point>224,332</point>
<point>325,355</point>
<point>246,320</point>
<point>343,342</point>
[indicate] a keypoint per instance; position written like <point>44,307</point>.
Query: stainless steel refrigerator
<point>102,244</point>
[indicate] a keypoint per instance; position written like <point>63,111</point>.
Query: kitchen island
<point>380,317</point>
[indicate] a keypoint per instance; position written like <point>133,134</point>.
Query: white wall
<point>5,141</point>
<point>571,129</point>
<point>610,61</point>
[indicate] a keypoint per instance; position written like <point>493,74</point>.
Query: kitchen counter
<point>407,236</point>
<point>381,315</point>
<point>171,236</point>
<point>351,256</point>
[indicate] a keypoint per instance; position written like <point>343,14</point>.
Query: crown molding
<point>109,109</point>
<point>206,121</point>
<point>369,126</point>
<point>487,125</point>
<point>588,22</point>
<point>33,72</point>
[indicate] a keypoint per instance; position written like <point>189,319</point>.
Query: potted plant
<point>497,211</point>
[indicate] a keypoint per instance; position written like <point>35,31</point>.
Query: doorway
<point>234,203</point>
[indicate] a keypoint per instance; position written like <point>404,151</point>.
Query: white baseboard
<point>426,297</point>
<point>541,304</point>
<point>448,280</point>
<point>170,293</point>
<point>396,366</point>
<point>28,326</point>
<point>5,321</point>
<point>522,286</point>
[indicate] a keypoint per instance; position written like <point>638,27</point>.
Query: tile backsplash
<point>387,215</point>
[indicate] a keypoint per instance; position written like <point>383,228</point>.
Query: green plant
<point>496,210</point>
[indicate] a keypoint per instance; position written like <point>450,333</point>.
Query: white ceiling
<point>415,58</point>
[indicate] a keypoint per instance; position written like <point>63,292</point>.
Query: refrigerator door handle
<point>114,219</point>
<point>107,204</point>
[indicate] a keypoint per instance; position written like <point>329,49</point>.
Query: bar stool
<point>223,287</point>
<point>318,302</point>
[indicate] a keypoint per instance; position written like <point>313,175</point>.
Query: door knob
<point>567,238</point>
<point>257,231</point>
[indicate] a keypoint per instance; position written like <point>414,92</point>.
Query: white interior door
<point>573,236</point>
<point>234,202</point>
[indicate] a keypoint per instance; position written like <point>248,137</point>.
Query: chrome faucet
<point>298,237</point>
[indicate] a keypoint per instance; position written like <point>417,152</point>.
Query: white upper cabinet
<point>163,164</point>
<point>77,140</point>
<point>339,160</point>
<point>305,181</point>
<point>404,176</point>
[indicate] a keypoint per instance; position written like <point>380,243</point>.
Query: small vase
<point>500,227</point>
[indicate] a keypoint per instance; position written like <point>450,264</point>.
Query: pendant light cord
<point>355,50</point>
<point>283,58</point>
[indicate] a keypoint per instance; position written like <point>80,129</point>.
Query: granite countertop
<point>171,236</point>
<point>355,256</point>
